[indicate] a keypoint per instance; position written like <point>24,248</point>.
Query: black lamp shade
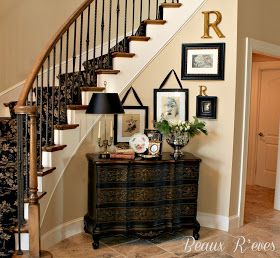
<point>105,103</point>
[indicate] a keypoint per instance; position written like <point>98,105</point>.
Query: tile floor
<point>261,231</point>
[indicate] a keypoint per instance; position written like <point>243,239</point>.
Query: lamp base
<point>104,155</point>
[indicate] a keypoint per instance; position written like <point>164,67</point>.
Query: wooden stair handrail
<point>47,50</point>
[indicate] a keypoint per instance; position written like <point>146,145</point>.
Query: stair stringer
<point>145,52</point>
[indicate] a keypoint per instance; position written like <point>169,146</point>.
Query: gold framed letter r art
<point>214,25</point>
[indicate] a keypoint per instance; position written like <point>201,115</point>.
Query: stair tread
<point>77,107</point>
<point>66,126</point>
<point>107,71</point>
<point>171,5</point>
<point>93,88</point>
<point>40,196</point>
<point>5,118</point>
<point>123,54</point>
<point>45,171</point>
<point>53,148</point>
<point>155,22</point>
<point>138,38</point>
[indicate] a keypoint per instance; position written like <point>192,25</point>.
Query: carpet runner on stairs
<point>8,182</point>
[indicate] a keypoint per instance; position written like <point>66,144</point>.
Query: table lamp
<point>105,103</point>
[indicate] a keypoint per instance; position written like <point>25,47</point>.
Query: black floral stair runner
<point>8,182</point>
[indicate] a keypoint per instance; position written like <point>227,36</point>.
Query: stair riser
<point>86,96</point>
<point>24,241</point>
<point>26,211</point>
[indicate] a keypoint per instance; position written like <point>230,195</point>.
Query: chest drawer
<point>164,194</point>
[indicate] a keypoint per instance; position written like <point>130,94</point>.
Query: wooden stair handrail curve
<point>46,51</point>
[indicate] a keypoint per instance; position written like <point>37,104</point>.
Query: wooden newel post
<point>34,206</point>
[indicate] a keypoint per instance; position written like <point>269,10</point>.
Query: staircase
<point>48,121</point>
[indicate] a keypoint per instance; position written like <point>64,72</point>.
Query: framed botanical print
<point>171,104</point>
<point>206,107</point>
<point>203,61</point>
<point>134,120</point>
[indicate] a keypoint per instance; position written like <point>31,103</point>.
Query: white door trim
<point>252,45</point>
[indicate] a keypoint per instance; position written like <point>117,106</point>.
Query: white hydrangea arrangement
<point>169,127</point>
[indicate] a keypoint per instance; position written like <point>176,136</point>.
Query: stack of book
<point>123,154</point>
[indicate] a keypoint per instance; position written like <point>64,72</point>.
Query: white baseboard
<point>218,221</point>
<point>62,232</point>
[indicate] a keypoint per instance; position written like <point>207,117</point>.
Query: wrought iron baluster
<point>66,71</point>
<point>26,174</point>
<point>118,18</point>
<point>36,90</point>
<point>102,32</point>
<point>133,15</point>
<point>47,104</point>
<point>74,56</point>
<point>149,10</point>
<point>109,28</point>
<point>94,33</point>
<point>53,90</point>
<point>41,115</point>
<point>20,198</point>
<point>81,43</point>
<point>59,85</point>
<point>125,18</point>
<point>87,46</point>
<point>157,10</point>
<point>141,10</point>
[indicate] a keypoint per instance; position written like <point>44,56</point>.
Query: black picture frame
<point>203,61</point>
<point>206,107</point>
<point>167,101</point>
<point>138,113</point>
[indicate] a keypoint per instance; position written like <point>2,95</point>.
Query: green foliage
<point>167,127</point>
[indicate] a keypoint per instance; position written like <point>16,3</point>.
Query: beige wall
<point>257,19</point>
<point>216,149</point>
<point>25,29</point>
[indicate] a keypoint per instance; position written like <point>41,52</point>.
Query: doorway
<point>266,50</point>
<point>263,136</point>
<point>264,121</point>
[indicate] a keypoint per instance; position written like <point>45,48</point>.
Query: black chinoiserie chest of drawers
<point>145,197</point>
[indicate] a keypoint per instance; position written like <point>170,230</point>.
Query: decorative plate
<point>139,142</point>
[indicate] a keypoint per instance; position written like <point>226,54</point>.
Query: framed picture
<point>172,104</point>
<point>134,120</point>
<point>206,107</point>
<point>203,61</point>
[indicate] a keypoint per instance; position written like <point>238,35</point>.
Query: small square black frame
<point>206,107</point>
